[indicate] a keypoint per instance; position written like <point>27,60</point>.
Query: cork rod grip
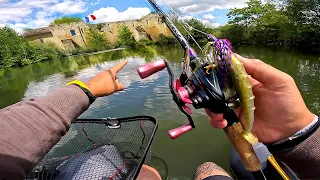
<point>243,147</point>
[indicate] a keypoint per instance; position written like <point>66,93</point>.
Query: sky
<point>25,14</point>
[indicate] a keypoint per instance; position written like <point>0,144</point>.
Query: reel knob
<point>175,133</point>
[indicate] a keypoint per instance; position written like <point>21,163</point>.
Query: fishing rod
<point>199,91</point>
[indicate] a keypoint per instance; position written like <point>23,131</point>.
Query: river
<point>152,97</point>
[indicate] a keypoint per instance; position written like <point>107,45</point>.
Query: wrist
<point>84,88</point>
<point>92,88</point>
<point>297,138</point>
<point>302,123</point>
<point>294,126</point>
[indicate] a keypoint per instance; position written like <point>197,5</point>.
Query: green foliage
<point>195,23</point>
<point>125,38</point>
<point>293,22</point>
<point>145,42</point>
<point>67,20</point>
<point>16,51</point>
<point>177,23</point>
<point>166,40</point>
<point>96,41</point>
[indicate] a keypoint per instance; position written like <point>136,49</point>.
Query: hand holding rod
<point>244,149</point>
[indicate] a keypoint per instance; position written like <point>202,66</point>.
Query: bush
<point>67,20</point>
<point>96,41</point>
<point>125,38</point>
<point>145,42</point>
<point>166,40</point>
<point>16,51</point>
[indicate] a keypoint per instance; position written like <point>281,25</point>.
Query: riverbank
<point>19,52</point>
<point>98,52</point>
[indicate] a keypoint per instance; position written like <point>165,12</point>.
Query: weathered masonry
<point>71,36</point>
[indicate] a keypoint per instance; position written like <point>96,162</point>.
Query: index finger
<point>118,67</point>
<point>261,71</point>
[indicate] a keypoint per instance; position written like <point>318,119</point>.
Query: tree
<point>15,50</point>
<point>195,23</point>
<point>96,41</point>
<point>67,20</point>
<point>13,47</point>
<point>304,16</point>
<point>251,14</point>
<point>306,12</point>
<point>125,37</point>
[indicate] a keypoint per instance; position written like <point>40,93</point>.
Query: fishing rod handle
<point>243,147</point>
<point>151,68</point>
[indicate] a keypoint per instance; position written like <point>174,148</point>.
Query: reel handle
<point>175,133</point>
<point>244,149</point>
<point>151,68</point>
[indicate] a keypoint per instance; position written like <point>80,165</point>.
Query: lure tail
<point>251,138</point>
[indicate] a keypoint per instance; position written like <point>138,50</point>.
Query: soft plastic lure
<point>232,77</point>
<point>243,88</point>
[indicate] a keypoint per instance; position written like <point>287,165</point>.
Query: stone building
<point>73,35</point>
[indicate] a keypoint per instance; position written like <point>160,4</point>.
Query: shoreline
<point>97,52</point>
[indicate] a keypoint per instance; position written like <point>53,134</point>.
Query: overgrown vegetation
<point>96,41</point>
<point>194,23</point>
<point>291,22</point>
<point>67,20</point>
<point>125,38</point>
<point>166,40</point>
<point>16,51</point>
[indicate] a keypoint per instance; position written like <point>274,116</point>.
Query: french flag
<point>89,18</point>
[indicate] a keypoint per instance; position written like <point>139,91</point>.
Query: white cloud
<point>215,25</point>
<point>208,17</point>
<point>69,7</point>
<point>94,3</point>
<point>186,17</point>
<point>19,27</point>
<point>2,25</point>
<point>209,24</point>
<point>37,13</point>
<point>205,21</point>
<point>13,14</point>
<point>111,14</point>
<point>199,6</point>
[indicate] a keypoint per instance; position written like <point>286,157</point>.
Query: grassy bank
<point>16,51</point>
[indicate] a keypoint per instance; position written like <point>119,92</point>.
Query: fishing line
<point>259,175</point>
<point>181,23</point>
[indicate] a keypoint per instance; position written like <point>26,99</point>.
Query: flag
<point>89,18</point>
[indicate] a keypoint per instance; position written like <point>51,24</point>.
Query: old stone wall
<point>45,38</point>
<point>152,25</point>
<point>148,27</point>
<point>73,31</point>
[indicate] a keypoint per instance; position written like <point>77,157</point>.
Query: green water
<point>152,97</point>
